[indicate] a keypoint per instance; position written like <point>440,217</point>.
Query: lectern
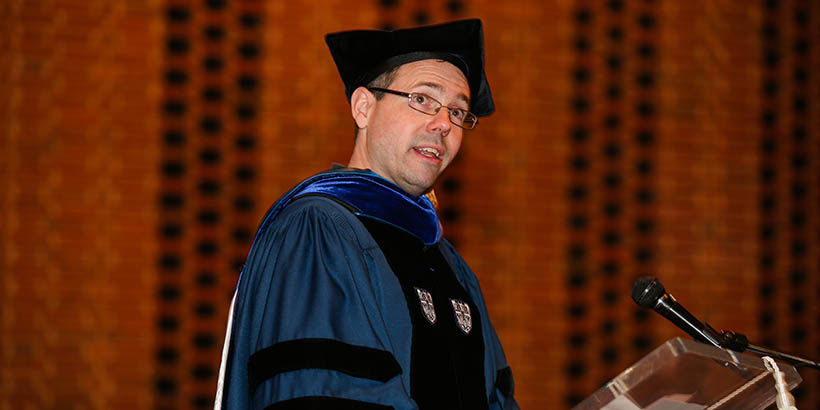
<point>683,374</point>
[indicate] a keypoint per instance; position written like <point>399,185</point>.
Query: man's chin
<point>417,187</point>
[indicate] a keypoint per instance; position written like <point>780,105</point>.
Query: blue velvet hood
<point>371,196</point>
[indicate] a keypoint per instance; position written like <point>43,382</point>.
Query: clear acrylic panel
<point>683,374</point>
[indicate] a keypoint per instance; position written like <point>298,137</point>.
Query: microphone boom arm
<point>739,343</point>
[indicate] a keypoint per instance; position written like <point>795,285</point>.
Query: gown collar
<point>371,196</point>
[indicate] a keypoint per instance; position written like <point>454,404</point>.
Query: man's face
<point>408,147</point>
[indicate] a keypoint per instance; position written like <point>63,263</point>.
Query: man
<point>350,298</point>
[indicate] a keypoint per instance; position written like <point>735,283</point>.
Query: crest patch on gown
<point>463,318</point>
<point>426,300</point>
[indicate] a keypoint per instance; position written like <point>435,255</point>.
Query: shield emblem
<point>463,318</point>
<point>426,301</point>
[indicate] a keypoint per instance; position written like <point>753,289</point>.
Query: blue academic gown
<point>319,314</point>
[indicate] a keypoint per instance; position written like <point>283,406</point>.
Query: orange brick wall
<point>143,141</point>
<point>78,186</point>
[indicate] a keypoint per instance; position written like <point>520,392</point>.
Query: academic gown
<point>321,320</point>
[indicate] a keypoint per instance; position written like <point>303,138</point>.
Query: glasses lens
<point>469,121</point>
<point>424,103</point>
<point>428,105</point>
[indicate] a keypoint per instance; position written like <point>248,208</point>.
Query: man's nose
<point>441,122</point>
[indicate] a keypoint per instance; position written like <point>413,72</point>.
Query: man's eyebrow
<point>439,88</point>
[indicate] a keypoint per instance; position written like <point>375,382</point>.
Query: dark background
<point>142,141</point>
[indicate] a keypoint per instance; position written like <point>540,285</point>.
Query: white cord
<point>785,401</point>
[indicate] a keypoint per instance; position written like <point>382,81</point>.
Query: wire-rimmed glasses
<point>425,104</point>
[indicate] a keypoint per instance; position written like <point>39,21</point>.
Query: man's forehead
<point>438,75</point>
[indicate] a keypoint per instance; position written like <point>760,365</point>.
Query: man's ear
<point>362,102</point>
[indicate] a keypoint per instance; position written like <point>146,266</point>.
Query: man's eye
<point>457,113</point>
<point>421,99</point>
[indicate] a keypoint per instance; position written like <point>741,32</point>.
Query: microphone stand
<point>739,343</point>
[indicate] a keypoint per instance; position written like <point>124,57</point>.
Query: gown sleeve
<point>308,328</point>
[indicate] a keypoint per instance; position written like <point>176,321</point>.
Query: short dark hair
<point>383,81</point>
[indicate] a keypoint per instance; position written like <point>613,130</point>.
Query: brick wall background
<point>143,141</point>
<point>81,87</point>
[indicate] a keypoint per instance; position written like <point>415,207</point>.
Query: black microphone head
<point>646,291</point>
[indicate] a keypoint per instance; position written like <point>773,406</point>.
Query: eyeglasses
<point>425,104</point>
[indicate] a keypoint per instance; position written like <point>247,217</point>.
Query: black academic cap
<point>363,55</point>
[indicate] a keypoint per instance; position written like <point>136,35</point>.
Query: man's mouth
<point>428,152</point>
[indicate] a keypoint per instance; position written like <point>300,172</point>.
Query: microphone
<point>649,292</point>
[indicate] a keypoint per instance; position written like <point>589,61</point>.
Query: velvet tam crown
<point>363,55</point>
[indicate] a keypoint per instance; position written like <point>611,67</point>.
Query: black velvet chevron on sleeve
<point>504,381</point>
<point>300,354</point>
